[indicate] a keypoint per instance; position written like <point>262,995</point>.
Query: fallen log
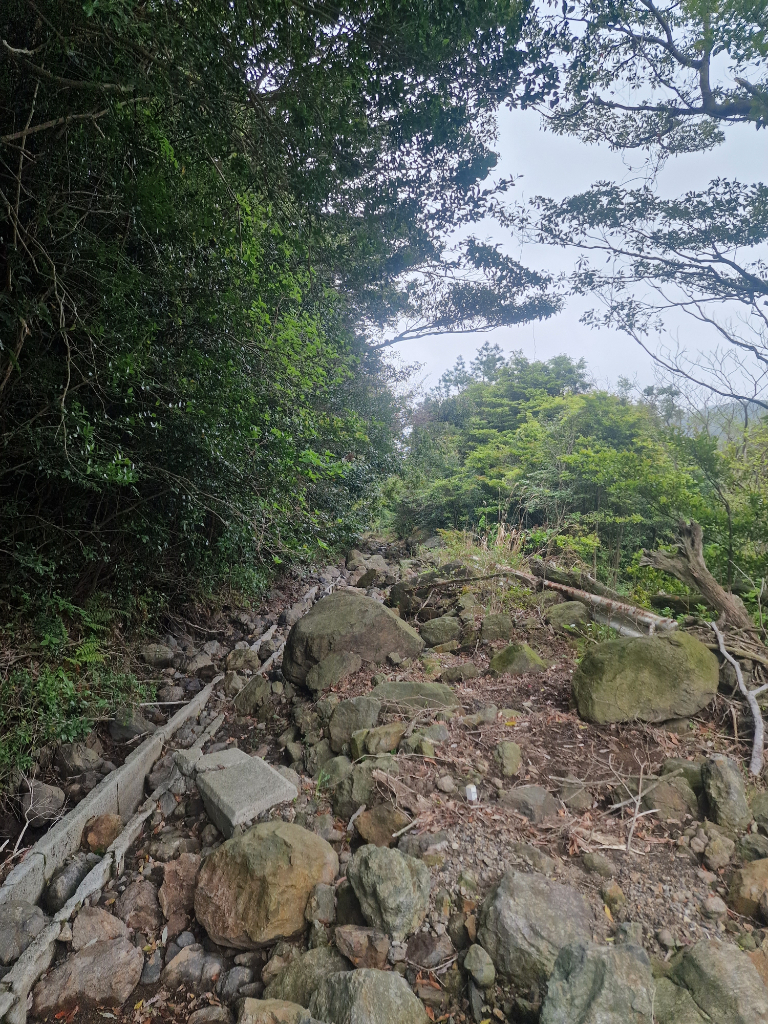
<point>758,740</point>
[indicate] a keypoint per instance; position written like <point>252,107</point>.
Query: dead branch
<point>758,741</point>
<point>688,566</point>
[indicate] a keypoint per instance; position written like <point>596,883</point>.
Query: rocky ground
<point>422,815</point>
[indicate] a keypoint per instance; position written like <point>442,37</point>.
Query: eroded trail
<point>388,817</point>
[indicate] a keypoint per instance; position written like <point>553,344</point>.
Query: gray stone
<point>220,759</point>
<point>568,615</point>
<point>404,694</point>
<point>231,983</point>
<point>193,968</point>
<point>496,626</point>
<point>272,1011</point>
<point>201,666</point>
<point>243,660</point>
<point>65,882</point>
<point>509,756</point>
<point>239,794</point>
<point>440,631</point>
<point>322,904</point>
<point>517,660</point>
<point>480,966</point>
<point>94,924</point>
<point>333,669</point>
<point>526,920</point>
<point>153,968</point>
<point>675,1005</point>
<point>358,787</point>
<point>365,947</point>
<point>429,951</point>
<point>302,976</point>
<point>366,996</point>
<point>102,974</point>
<point>723,982</point>
<point>157,656</point>
<point>173,694</point>
<point>718,852</point>
<point>650,678</point>
<point>42,804</point>
<point>75,759</point>
<point>533,801</point>
<point>346,621</point>
<point>211,1015</point>
<point>600,985</point>
<point>256,692</point>
<point>459,673</point>
<point>629,933</point>
<point>335,771</point>
<point>20,922</point>
<point>393,889</point>
<point>129,722</point>
<point>138,907</point>
<point>598,864</point>
<point>673,800</point>
<point>171,844</point>
<point>533,857</point>
<point>759,810</point>
<point>476,1001</point>
<point>690,771</point>
<point>753,847</point>
<point>349,716</point>
<point>254,889</point>
<point>725,792</point>
<point>575,794</point>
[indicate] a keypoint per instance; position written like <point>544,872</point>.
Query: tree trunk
<point>689,567</point>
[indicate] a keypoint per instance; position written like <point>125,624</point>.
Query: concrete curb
<point>119,793</point>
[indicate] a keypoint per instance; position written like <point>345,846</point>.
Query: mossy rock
<point>650,679</point>
<point>517,660</point>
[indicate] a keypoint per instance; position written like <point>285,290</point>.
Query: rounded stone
<point>480,966</point>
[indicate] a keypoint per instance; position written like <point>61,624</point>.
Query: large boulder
<point>302,976</point>
<point>600,985</point>
<point>725,792</point>
<point>393,889</point>
<point>102,974</point>
<point>367,996</point>
<point>349,716</point>
<point>255,887</point>
<point>346,621</point>
<point>526,920</point>
<point>650,678</point>
<point>723,982</point>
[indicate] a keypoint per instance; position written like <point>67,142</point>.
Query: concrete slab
<point>220,759</point>
<point>239,794</point>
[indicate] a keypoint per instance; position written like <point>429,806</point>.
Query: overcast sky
<point>559,166</point>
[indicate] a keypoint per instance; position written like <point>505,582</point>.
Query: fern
<point>87,653</point>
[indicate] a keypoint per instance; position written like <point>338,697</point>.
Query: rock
<point>236,795</point>
<point>244,660</point>
<point>20,922</point>
<point>157,656</point>
<point>526,920</point>
<point>480,966</point>
<point>753,847</point>
<point>171,844</point>
<point>568,615</point>
<point>517,660</point>
<point>674,800</point>
<point>194,968</point>
<point>691,772</point>
<point>629,933</point>
<point>384,738</point>
<point>66,880</point>
<point>365,947</point>
<point>533,801</point>
<point>532,857</point>
<point>349,716</point>
<point>366,997</point>
<point>272,1011</point>
<point>725,792</point>
<point>747,887</point>
<point>321,905</point>
<point>651,678</point>
<point>254,888</point>
<point>404,695</point>
<point>201,667</point>
<point>425,845</point>
<point>496,626</point>
<point>674,1005</point>
<point>129,722</point>
<point>723,982</point>
<point>429,951</point>
<point>718,852</point>
<point>713,907</point>
<point>334,668</point>
<point>440,631</point>
<point>459,673</point>
<point>335,771</point>
<point>302,976</point>
<point>172,694</point>
<point>598,985</point>
<point>355,789</point>
<point>153,968</point>
<point>346,622</point>
<point>379,824</point>
<point>256,692</point>
<point>393,889</point>
<point>509,756</point>
<point>211,1015</point>
<point>760,811</point>
<point>73,759</point>
<point>42,804</point>
<point>598,864</point>
<point>446,784</point>
<point>102,974</point>
<point>94,924</point>
<point>230,983</point>
<point>177,893</point>
<point>316,756</point>
<point>575,794</point>
<point>138,907</point>
<point>613,895</point>
<point>102,831</point>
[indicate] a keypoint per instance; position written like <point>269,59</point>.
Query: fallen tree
<point>687,565</point>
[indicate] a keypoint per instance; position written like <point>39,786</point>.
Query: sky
<point>558,166</point>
